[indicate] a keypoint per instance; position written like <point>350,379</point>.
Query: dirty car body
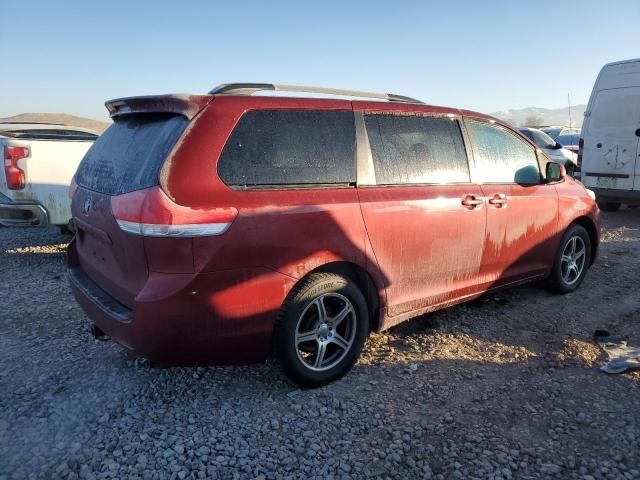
<point>189,248</point>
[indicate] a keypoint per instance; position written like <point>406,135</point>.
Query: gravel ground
<point>504,387</point>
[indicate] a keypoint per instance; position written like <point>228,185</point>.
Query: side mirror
<point>557,146</point>
<point>555,172</point>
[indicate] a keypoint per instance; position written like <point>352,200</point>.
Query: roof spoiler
<point>181,104</point>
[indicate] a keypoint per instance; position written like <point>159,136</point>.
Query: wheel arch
<point>594,235</point>
<point>365,283</point>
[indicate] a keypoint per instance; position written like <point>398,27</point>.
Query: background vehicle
<point>555,131</point>
<point>569,141</point>
<point>39,162</point>
<point>214,228</point>
<point>551,148</point>
<point>610,132</point>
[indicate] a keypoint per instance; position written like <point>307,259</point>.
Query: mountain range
<point>543,116</point>
<point>65,118</point>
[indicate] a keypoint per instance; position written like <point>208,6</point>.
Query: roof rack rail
<point>251,88</point>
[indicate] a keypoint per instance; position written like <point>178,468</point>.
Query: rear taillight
<point>13,173</point>
<point>152,214</point>
<point>579,161</point>
<point>72,188</point>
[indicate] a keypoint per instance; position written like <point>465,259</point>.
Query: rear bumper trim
<point>622,196</point>
<point>97,296</point>
<point>13,214</point>
<point>606,175</point>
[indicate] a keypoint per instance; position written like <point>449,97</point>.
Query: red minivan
<point>218,228</point>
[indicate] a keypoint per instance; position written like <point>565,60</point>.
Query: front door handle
<point>498,200</point>
<point>471,202</point>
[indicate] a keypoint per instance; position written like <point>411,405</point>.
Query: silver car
<point>552,149</point>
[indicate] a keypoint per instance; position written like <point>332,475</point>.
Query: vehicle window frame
<point>366,167</point>
<point>289,186</point>
<point>475,177</point>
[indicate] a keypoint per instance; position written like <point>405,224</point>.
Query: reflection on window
<point>501,157</point>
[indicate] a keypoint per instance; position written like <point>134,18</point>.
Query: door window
<point>410,149</point>
<point>501,157</point>
<point>290,147</point>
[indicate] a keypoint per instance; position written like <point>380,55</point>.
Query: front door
<point>424,218</point>
<point>521,209</point>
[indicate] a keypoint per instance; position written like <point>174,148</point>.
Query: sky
<point>71,56</point>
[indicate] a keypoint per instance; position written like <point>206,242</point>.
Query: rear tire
<point>609,206</point>
<point>321,329</point>
<point>572,260</point>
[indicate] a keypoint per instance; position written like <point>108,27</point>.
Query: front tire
<point>321,329</point>
<point>572,260</point>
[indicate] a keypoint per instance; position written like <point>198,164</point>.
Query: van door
<point>424,218</point>
<point>610,152</point>
<point>522,211</point>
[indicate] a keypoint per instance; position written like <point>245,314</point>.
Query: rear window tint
<point>128,156</point>
<point>290,147</point>
<point>416,149</point>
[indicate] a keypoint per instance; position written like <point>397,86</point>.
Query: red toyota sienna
<point>222,227</point>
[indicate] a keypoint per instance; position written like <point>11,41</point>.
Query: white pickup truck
<point>40,160</point>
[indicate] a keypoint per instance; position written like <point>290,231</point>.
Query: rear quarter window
<point>271,148</point>
<point>128,156</point>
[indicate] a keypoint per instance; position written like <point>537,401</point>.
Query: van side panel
<point>279,235</point>
<point>611,145</point>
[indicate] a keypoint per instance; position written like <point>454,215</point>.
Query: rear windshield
<point>128,156</point>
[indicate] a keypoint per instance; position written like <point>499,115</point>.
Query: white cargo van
<point>609,146</point>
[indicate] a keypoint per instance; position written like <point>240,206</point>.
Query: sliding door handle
<point>498,200</point>
<point>471,201</point>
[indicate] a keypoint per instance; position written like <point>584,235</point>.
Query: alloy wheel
<point>325,331</point>
<point>573,259</point>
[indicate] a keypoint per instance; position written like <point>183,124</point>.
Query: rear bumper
<point>187,319</point>
<point>622,196</point>
<point>22,214</point>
